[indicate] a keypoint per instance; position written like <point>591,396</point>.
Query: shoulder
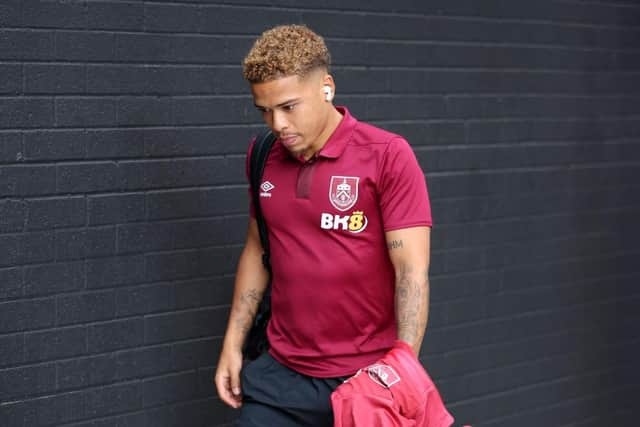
<point>378,139</point>
<point>365,133</point>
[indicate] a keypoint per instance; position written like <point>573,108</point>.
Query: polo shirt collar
<point>337,142</point>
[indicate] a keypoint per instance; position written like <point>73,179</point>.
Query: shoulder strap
<point>258,159</point>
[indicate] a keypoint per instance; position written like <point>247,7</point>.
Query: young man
<point>348,215</point>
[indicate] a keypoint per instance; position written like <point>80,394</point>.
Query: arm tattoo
<point>411,297</point>
<point>394,244</point>
<point>249,302</point>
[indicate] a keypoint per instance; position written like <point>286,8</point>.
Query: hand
<point>227,378</point>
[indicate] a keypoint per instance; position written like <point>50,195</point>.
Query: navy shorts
<point>274,395</point>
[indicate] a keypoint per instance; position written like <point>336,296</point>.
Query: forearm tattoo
<point>411,299</point>
<point>247,309</point>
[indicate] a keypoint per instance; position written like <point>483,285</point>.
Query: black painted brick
<point>60,145</point>
<point>203,292</point>
<point>197,141</point>
<point>114,399</point>
<point>144,48</point>
<point>12,215</point>
<point>55,213</point>
<point>10,78</point>
<point>172,18</point>
<point>218,19</point>
<point>11,279</point>
<point>187,324</point>
<point>197,203</point>
<point>27,45</point>
<point>24,315</point>
<point>115,271</point>
<point>26,112</point>
<point>12,349</point>
<point>115,144</point>
<point>22,382</point>
<point>196,353</point>
<point>169,389</point>
<point>145,362</point>
<point>115,16</point>
<point>55,344</point>
<point>10,250</point>
<point>110,79</point>
<point>54,14</point>
<point>145,299</point>
<point>80,244</point>
<point>86,371</point>
<point>144,111</point>
<point>204,49</point>
<point>80,112</point>
<point>197,172</point>
<point>56,79</point>
<point>199,111</point>
<point>53,278</point>
<point>38,247</point>
<point>84,46</point>
<point>129,420</point>
<point>131,176</point>
<point>11,148</point>
<point>115,335</point>
<point>85,308</point>
<point>87,177</point>
<point>190,264</point>
<point>116,209</point>
<point>10,12</point>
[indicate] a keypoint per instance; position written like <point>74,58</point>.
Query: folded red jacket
<point>396,391</point>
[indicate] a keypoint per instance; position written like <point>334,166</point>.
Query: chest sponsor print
<point>354,223</point>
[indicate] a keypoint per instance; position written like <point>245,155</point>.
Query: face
<point>297,111</point>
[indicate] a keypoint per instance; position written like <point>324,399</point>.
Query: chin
<point>296,150</point>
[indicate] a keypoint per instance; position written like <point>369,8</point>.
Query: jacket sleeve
<point>360,410</point>
<point>396,391</point>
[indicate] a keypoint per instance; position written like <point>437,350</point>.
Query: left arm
<point>409,252</point>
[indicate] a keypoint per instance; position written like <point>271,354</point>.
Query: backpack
<point>256,342</point>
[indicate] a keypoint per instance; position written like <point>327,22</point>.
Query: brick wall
<point>123,127</point>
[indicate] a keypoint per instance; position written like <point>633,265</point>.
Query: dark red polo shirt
<point>333,282</point>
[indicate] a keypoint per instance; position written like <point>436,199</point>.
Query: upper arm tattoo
<point>395,244</point>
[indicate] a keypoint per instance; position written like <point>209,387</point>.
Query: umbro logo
<point>265,188</point>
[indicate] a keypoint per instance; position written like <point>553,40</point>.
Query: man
<point>349,220</point>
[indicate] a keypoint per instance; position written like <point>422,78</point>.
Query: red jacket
<point>396,391</point>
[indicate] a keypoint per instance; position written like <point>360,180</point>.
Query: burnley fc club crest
<point>343,192</point>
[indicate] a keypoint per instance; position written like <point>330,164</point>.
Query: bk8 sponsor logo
<point>354,223</point>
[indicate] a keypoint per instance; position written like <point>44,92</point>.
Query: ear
<point>328,87</point>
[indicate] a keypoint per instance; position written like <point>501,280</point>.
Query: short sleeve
<point>402,189</point>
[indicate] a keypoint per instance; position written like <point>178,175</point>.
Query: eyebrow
<point>282,104</point>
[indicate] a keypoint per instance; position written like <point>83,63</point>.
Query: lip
<point>288,140</point>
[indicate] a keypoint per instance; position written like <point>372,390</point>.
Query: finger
<point>236,388</point>
<point>224,391</point>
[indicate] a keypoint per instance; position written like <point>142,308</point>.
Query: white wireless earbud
<point>327,93</point>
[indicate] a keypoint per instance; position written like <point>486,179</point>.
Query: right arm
<point>250,284</point>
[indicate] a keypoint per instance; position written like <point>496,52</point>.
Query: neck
<point>332,123</point>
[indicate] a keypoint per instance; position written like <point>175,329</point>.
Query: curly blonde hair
<point>284,51</point>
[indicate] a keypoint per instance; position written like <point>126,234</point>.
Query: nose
<point>278,121</point>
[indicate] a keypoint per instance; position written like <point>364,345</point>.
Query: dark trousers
<point>276,396</point>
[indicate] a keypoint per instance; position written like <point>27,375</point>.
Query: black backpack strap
<point>257,161</point>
